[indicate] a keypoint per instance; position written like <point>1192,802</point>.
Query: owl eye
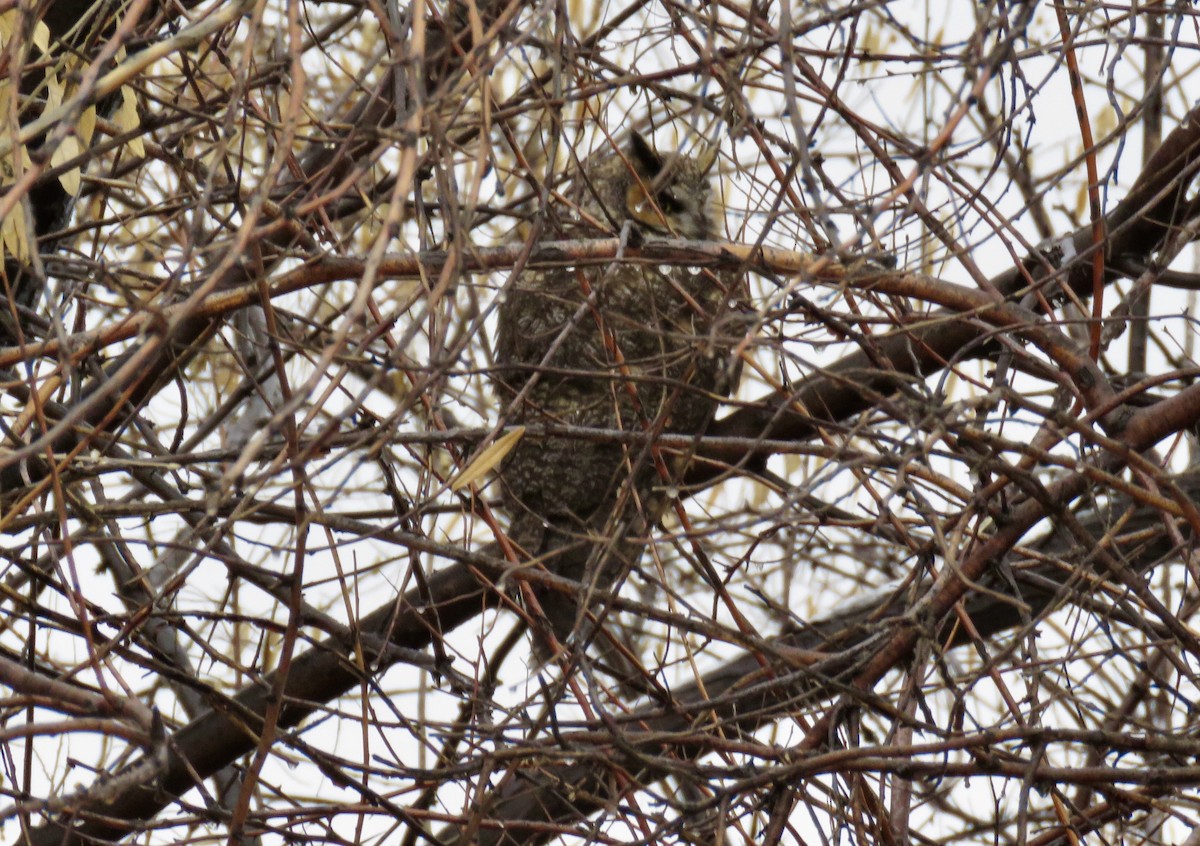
<point>664,213</point>
<point>669,203</point>
<point>638,204</point>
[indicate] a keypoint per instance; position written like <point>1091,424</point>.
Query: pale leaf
<point>16,244</point>
<point>127,119</point>
<point>67,150</point>
<point>54,90</point>
<point>87,125</point>
<point>486,460</point>
<point>41,36</point>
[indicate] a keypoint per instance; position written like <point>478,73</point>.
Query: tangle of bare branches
<point>284,519</point>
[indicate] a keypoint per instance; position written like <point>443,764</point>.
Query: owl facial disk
<point>666,213</point>
<point>669,194</point>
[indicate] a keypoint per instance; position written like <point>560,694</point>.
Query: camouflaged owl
<point>625,347</point>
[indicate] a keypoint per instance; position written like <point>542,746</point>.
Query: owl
<point>625,347</point>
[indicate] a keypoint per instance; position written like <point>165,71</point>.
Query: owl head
<point>666,194</point>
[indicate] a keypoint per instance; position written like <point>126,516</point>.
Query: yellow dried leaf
<point>212,158</point>
<point>1105,121</point>
<point>12,232</point>
<point>758,495</point>
<point>54,90</point>
<point>87,125</point>
<point>399,385</point>
<point>41,36</point>
<point>127,120</point>
<point>487,459</point>
<point>67,150</point>
<point>127,117</point>
<point>8,237</point>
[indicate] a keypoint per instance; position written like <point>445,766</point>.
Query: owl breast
<point>640,358</point>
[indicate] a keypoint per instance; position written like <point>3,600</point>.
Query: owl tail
<point>598,565</point>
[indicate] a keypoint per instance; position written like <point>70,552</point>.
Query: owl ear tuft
<point>706,157</point>
<point>645,161</point>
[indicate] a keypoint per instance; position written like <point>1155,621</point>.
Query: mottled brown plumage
<point>643,356</point>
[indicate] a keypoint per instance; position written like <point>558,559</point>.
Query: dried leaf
<point>54,90</point>
<point>127,119</point>
<point>87,125</point>
<point>41,36</point>
<point>489,458</point>
<point>12,232</point>
<point>67,150</point>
